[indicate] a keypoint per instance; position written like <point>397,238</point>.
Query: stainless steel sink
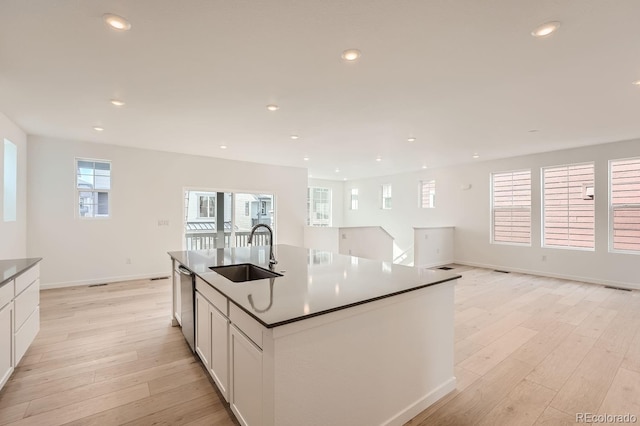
<point>244,272</point>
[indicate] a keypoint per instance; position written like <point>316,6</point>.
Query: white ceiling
<point>462,76</point>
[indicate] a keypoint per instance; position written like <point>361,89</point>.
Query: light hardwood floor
<point>529,350</point>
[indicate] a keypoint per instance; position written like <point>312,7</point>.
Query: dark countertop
<point>11,268</point>
<point>314,282</point>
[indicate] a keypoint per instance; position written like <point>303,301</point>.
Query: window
<point>568,206</point>
<point>10,197</point>
<point>93,186</point>
<point>247,208</point>
<point>511,207</point>
<point>207,206</point>
<point>354,198</point>
<point>386,196</point>
<point>427,194</point>
<point>318,206</point>
<point>263,207</point>
<point>624,214</point>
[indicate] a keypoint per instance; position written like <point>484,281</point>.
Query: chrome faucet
<point>272,258</point>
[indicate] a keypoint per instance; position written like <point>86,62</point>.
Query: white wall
<point>433,246</point>
<point>322,238</point>
<point>468,211</point>
<point>405,212</point>
<point>147,186</point>
<point>370,242</point>
<point>337,198</point>
<point>13,235</point>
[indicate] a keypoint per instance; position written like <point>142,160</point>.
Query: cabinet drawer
<point>250,327</point>
<point>214,296</point>
<point>26,303</point>
<point>24,337</point>
<point>6,293</point>
<point>26,278</point>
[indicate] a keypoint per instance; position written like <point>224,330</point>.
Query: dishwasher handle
<point>184,270</point>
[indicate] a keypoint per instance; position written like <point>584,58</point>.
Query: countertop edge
<point>315,314</point>
<point>31,260</point>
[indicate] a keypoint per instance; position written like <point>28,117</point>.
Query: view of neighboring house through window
<point>568,206</point>
<point>624,214</point>
<point>93,186</point>
<point>427,194</point>
<point>511,207</point>
<point>10,185</point>
<point>242,211</point>
<point>386,196</point>
<point>354,198</point>
<point>207,205</point>
<point>318,206</point>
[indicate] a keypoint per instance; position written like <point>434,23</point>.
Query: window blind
<point>511,207</point>
<point>568,210</point>
<point>427,194</point>
<point>625,204</point>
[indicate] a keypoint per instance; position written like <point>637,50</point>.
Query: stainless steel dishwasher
<point>187,287</point>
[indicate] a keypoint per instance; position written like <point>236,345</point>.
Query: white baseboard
<point>621,284</point>
<point>436,264</point>
<point>104,280</point>
<point>422,404</point>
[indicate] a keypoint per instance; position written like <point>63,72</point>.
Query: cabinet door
<point>203,329</point>
<point>6,343</point>
<point>177,300</point>
<point>219,351</point>
<point>246,379</point>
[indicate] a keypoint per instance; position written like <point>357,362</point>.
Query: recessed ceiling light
<point>294,137</point>
<point>411,140</point>
<point>344,178</point>
<point>546,29</point>
<point>116,22</point>
<point>424,167</point>
<point>117,102</point>
<point>351,54</point>
<point>273,107</point>
<point>475,155</point>
<point>637,82</point>
<point>337,170</point>
<point>379,159</point>
<point>98,128</point>
<point>223,147</point>
<point>305,158</point>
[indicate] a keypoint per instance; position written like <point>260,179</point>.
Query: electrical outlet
<point>437,251</point>
<point>426,236</point>
<point>127,261</point>
<point>544,258</point>
<point>163,222</point>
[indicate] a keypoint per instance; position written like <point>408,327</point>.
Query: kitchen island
<point>334,340</point>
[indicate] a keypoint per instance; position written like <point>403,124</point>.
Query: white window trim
<point>206,218</point>
<point>612,209</point>
<point>352,199</point>
<point>382,198</point>
<point>316,223</point>
<point>420,194</point>
<point>78,190</point>
<point>542,221</point>
<point>492,210</point>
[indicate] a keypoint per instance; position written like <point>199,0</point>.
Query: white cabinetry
<point>219,365</point>
<point>6,342</point>
<point>177,299</point>
<point>246,379</point>
<point>26,311</point>
<point>212,334</point>
<point>203,329</point>
<point>19,319</point>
